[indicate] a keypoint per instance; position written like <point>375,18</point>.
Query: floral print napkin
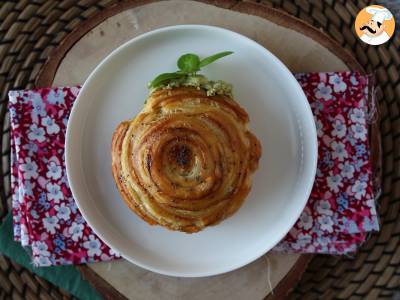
<point>339,214</point>
<point>45,214</point>
<point>341,209</point>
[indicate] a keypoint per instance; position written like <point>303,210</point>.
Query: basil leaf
<point>189,63</point>
<point>162,78</point>
<point>208,60</point>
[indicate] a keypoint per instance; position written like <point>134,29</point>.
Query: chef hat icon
<point>379,14</point>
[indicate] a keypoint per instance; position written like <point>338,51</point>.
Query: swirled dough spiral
<point>186,161</point>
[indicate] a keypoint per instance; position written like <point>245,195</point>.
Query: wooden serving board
<point>301,47</point>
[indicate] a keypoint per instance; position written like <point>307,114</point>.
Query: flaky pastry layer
<point>186,161</point>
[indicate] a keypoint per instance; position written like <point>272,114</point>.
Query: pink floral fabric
<point>341,209</point>
<point>339,214</point>
<point>45,214</point>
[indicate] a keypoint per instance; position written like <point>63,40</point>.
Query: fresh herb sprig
<point>189,64</point>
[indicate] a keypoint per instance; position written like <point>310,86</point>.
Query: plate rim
<point>313,151</point>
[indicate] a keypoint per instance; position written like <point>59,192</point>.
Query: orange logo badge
<point>374,25</point>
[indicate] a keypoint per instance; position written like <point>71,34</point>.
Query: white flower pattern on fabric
<point>371,204</point>
<point>353,80</point>
<point>303,240</point>
<point>31,147</point>
<point>27,188</point>
<point>326,223</point>
<point>54,192</point>
<point>76,231</point>
<point>41,248</point>
<point>347,170</point>
<point>323,91</point>
<point>334,182</point>
<point>21,194</point>
<point>54,170</point>
<point>319,126</point>
<point>51,223</point>
<point>36,133</point>
<point>324,241</point>
<point>324,208</point>
<point>339,129</point>
<point>338,84</point>
<point>39,108</point>
<point>56,97</point>
<point>93,246</point>
<point>63,211</point>
<point>305,220</point>
<point>359,131</point>
<point>359,189</point>
<point>339,151</point>
<point>357,116</point>
<point>29,169</point>
<point>50,124</point>
<point>24,235</point>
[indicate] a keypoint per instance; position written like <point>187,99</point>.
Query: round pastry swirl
<point>186,161</point>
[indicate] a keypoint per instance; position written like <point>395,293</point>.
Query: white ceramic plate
<point>279,116</point>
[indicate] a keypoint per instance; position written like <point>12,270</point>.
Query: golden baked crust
<point>186,161</point>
